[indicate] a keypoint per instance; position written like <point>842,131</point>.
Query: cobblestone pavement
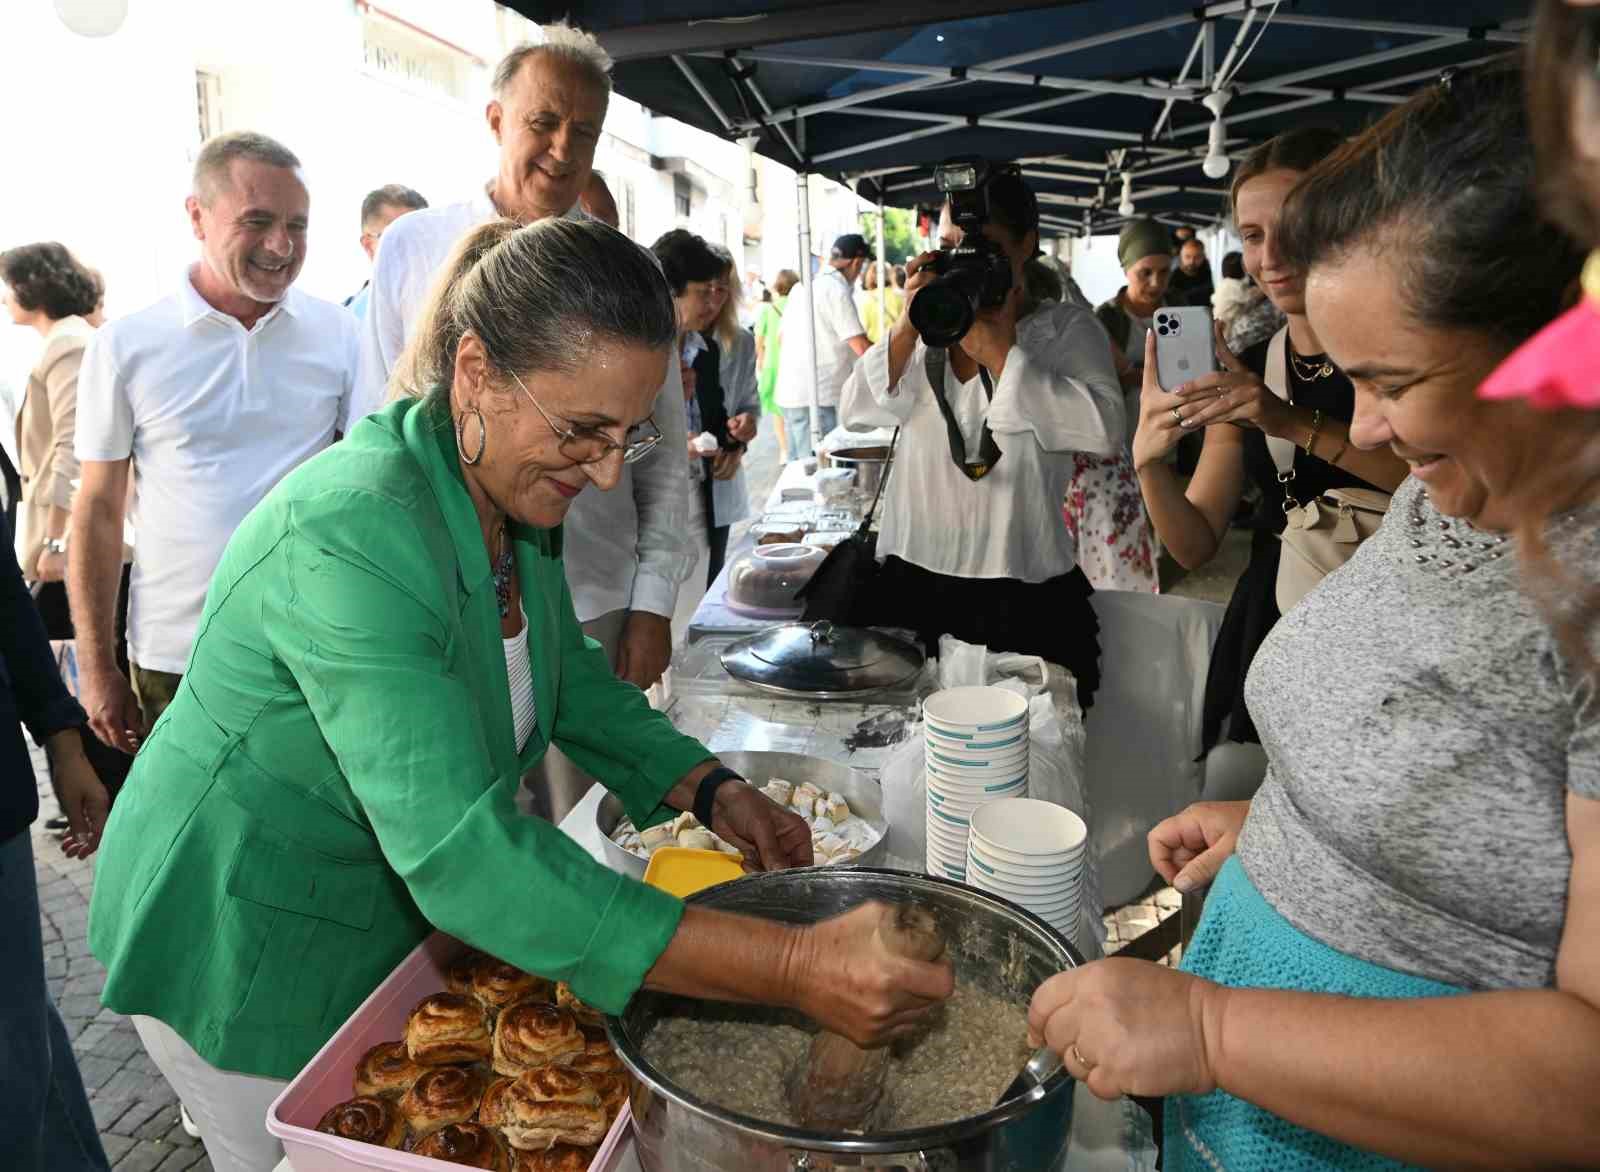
<point>134,1108</point>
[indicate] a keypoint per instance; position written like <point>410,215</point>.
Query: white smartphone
<point>1185,347</point>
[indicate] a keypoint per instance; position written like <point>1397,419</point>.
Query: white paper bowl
<point>1023,872</point>
<point>1032,830</point>
<point>1063,882</point>
<point>975,708</point>
<point>1009,759</point>
<point>982,742</point>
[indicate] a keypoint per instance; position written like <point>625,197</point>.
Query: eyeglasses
<point>590,445</point>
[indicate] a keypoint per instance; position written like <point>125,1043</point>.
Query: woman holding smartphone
<point>1314,422</point>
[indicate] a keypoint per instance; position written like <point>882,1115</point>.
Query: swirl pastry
<point>496,985</point>
<point>597,1057</point>
<point>545,1107</point>
<point>586,1014</point>
<point>613,1090</point>
<point>561,1158</point>
<point>387,1071</point>
<point>368,1119</point>
<point>448,1027</point>
<point>471,1145</point>
<point>443,1095</point>
<point>531,1034</point>
<point>458,975</point>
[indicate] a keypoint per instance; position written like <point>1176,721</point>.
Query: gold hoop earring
<point>461,432</point>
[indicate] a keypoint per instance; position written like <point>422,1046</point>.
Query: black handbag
<point>843,588</point>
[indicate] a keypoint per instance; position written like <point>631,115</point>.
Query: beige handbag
<point>1319,535</point>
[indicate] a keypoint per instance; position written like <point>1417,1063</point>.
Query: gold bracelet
<point>1316,426</point>
<point>1339,455</point>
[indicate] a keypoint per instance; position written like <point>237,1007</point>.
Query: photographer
<point>971,535</point>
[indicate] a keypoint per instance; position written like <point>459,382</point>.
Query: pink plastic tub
<point>327,1078</point>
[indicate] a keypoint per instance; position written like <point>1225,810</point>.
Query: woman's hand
<point>51,567</point>
<point>851,984</point>
<point>743,426</point>
<point>770,837</point>
<point>994,332</point>
<point>1234,396</point>
<point>919,272</point>
<point>725,464</point>
<point>84,801</point>
<point>1130,1027</point>
<point>1159,427</point>
<point>1189,848</point>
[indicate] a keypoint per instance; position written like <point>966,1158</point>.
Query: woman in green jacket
<point>388,645</point>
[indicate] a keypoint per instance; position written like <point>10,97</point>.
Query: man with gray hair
<point>381,207</point>
<point>627,550</point>
<point>213,394</point>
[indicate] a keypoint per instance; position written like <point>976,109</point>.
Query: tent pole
<point>883,274</point>
<point>802,190</point>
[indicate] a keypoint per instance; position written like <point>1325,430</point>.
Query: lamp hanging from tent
<point>1216,162</point>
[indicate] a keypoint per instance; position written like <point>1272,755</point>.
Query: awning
<point>1082,93</point>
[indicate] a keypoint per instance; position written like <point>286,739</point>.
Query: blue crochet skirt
<point>1242,942</point>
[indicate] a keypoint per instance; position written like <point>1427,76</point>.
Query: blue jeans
<point>797,428</point>
<point>44,1112</point>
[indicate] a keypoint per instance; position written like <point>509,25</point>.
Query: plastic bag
<point>1055,760</point>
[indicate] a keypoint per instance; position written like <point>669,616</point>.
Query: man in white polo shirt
<point>841,339</point>
<point>214,393</point>
<point>626,550</point>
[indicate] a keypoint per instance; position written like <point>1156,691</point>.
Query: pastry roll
<point>805,798</point>
<point>586,1014</point>
<point>613,1091</point>
<point>838,808</point>
<point>847,854</point>
<point>368,1119</point>
<point>496,985</point>
<point>822,825</point>
<point>445,1094</point>
<point>458,975</point>
<point>684,821</point>
<point>531,1034</point>
<point>597,1057</point>
<point>470,1145</point>
<point>448,1027</point>
<point>657,836</point>
<point>545,1107</point>
<point>386,1070</point>
<point>697,839</point>
<point>779,790</point>
<point>830,845</point>
<point>561,1158</point>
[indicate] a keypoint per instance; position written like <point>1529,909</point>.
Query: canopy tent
<point>1082,93</point>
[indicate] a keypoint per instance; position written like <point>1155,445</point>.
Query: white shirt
<point>836,323</point>
<point>519,675</point>
<point>1058,395</point>
<point>626,549</point>
<point>213,415</point>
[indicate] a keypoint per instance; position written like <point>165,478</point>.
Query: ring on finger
<point>1177,413</point>
<point>1077,1056</point>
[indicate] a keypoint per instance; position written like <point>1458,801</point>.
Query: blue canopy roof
<point>1080,92</point>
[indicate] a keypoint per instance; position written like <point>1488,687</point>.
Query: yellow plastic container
<point>680,871</point>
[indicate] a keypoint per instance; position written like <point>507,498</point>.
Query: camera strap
<point>989,452</point>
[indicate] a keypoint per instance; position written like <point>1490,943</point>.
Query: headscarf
<point>1140,239</point>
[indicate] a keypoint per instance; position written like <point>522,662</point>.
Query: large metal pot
<point>862,792</point>
<point>871,465</point>
<point>992,943</point>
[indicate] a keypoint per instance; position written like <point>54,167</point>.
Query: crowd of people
<point>373,609</point>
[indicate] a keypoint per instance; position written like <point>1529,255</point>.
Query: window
<point>683,203</point>
<point>208,104</point>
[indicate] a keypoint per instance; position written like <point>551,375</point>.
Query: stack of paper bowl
<point>977,752</point>
<point>1032,853</point>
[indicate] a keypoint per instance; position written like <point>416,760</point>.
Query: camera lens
<point>942,313</point>
<point>1161,329</point>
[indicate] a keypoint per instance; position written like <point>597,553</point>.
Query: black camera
<point>977,274</point>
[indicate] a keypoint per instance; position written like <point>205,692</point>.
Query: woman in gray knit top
<point>1399,961</point>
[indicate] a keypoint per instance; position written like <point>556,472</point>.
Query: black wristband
<point>705,795</point>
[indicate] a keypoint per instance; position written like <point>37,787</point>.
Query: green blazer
<point>337,774</point>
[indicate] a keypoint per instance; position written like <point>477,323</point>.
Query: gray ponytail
<point>539,298</point>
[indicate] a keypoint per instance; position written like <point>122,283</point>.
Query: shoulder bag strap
<point>888,466</point>
<point>1276,377</point>
<point>989,452</point>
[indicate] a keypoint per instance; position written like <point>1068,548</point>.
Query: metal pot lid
<point>820,659</point>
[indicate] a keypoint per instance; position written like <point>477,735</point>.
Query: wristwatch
<point>55,544</point>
